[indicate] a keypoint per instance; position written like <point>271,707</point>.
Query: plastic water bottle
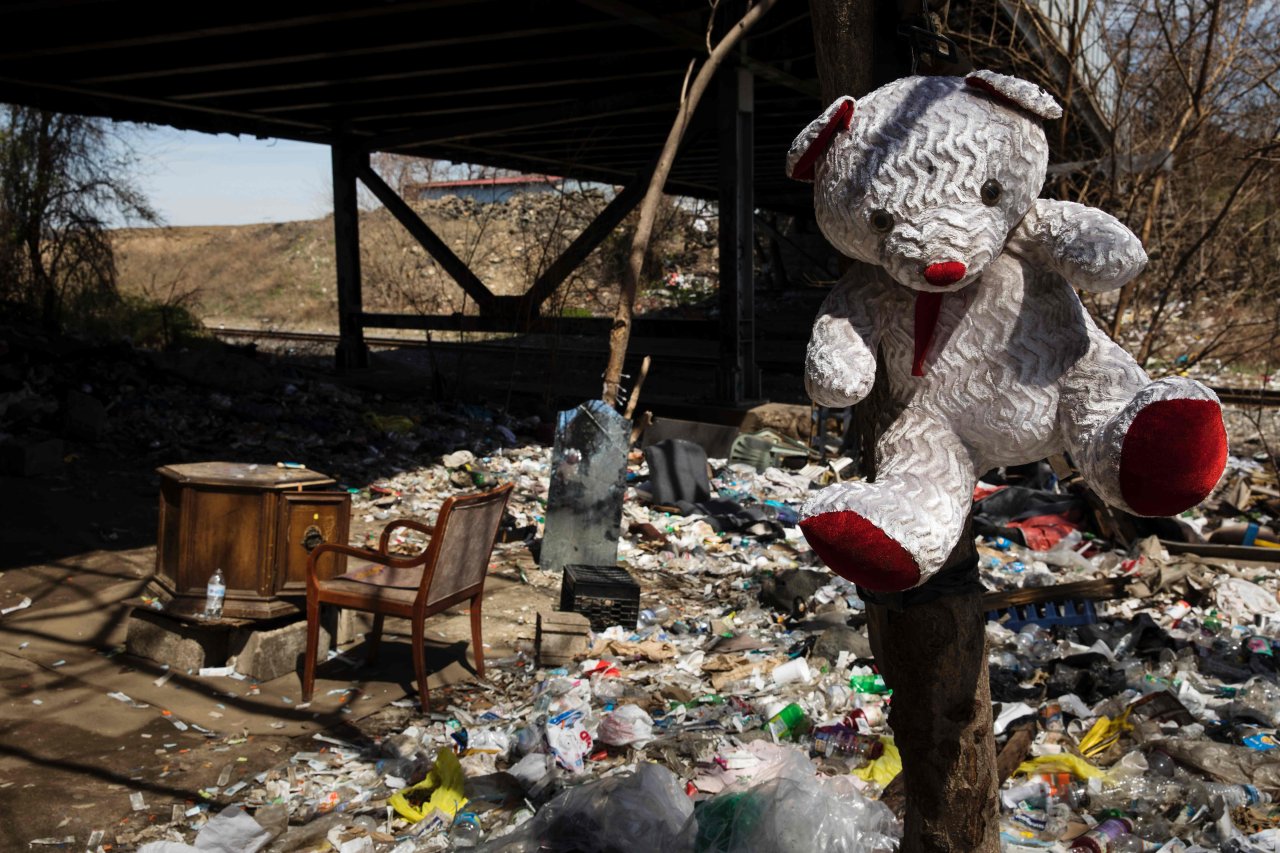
<point>465,832</point>
<point>1235,796</point>
<point>655,616</point>
<point>215,593</point>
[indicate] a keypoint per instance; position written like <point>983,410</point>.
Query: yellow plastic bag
<point>389,423</point>
<point>884,769</point>
<point>445,781</point>
<point>1064,763</point>
<point>1104,733</point>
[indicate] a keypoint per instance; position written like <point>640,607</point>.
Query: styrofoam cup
<point>796,669</point>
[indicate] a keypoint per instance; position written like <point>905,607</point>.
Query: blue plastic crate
<point>1045,613</point>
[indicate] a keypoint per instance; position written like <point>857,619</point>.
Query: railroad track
<point>686,358</point>
<point>1265,397</point>
<point>1249,396</point>
<point>312,337</point>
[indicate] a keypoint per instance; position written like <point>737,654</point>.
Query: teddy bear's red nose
<point>947,272</point>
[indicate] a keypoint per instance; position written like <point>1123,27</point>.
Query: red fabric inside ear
<point>803,170</point>
<point>979,83</point>
<point>927,307</point>
<point>1172,456</point>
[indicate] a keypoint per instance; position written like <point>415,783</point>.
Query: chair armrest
<point>360,553</point>
<point>385,539</point>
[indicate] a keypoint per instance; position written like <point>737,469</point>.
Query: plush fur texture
<point>965,286</point>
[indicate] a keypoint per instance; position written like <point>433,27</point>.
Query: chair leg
<point>374,640</point>
<point>420,663</point>
<point>477,643</point>
<point>313,648</point>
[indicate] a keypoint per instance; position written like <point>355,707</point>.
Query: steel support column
<point>738,378</point>
<point>347,160</point>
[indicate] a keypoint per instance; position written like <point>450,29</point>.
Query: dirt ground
<point>79,543</point>
<point>71,756</point>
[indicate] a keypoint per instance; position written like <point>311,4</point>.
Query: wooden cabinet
<point>257,523</point>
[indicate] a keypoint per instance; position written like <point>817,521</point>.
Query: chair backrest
<point>463,541</point>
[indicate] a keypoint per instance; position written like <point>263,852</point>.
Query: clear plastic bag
<point>1258,701</point>
<point>642,810</point>
<point>795,813</point>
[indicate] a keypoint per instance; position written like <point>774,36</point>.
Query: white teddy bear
<point>966,291</point>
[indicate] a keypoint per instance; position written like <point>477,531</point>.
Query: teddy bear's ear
<point>814,139</point>
<point>1016,93</point>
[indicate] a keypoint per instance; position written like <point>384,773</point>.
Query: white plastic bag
<point>626,725</point>
<point>569,740</point>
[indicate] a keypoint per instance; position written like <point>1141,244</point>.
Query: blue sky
<point>205,179</point>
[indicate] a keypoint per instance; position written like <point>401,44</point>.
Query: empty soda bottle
<point>846,741</point>
<point>1103,837</point>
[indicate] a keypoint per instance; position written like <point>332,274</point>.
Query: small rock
<point>840,638</point>
<point>788,589</point>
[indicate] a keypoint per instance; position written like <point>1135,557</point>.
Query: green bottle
<point>873,683</point>
<point>787,723</point>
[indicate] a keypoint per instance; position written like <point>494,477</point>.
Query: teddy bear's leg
<point>896,532</point>
<point>1152,448</point>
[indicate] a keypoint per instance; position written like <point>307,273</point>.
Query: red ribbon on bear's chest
<point>928,306</point>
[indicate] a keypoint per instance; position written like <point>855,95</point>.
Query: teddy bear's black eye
<point>991,191</point>
<point>881,221</point>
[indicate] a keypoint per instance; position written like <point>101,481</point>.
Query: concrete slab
<point>269,653</point>
<point>184,647</point>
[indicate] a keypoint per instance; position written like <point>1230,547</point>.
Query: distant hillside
<point>282,274</point>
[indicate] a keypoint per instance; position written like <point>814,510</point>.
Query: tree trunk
<point>933,656</point>
<point>932,653</point>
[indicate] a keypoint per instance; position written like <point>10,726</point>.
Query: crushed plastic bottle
<point>1057,816</point>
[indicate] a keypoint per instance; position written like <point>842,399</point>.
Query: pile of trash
<point>1134,666</point>
<point>743,710</point>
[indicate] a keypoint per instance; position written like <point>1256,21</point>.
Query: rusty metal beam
<point>696,41</point>
<point>64,44</point>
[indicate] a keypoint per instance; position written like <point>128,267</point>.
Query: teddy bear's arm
<point>840,365</point>
<point>1091,249</point>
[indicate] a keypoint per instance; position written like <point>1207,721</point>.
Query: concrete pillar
<point>351,352</point>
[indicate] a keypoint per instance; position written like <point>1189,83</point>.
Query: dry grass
<point>282,275</point>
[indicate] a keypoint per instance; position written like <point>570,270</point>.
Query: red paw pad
<point>1172,456</point>
<point>858,551</point>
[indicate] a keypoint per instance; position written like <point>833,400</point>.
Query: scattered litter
<point>21,605</point>
<point>735,704</point>
<point>126,699</point>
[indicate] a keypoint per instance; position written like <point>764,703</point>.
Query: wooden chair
<point>451,569</point>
